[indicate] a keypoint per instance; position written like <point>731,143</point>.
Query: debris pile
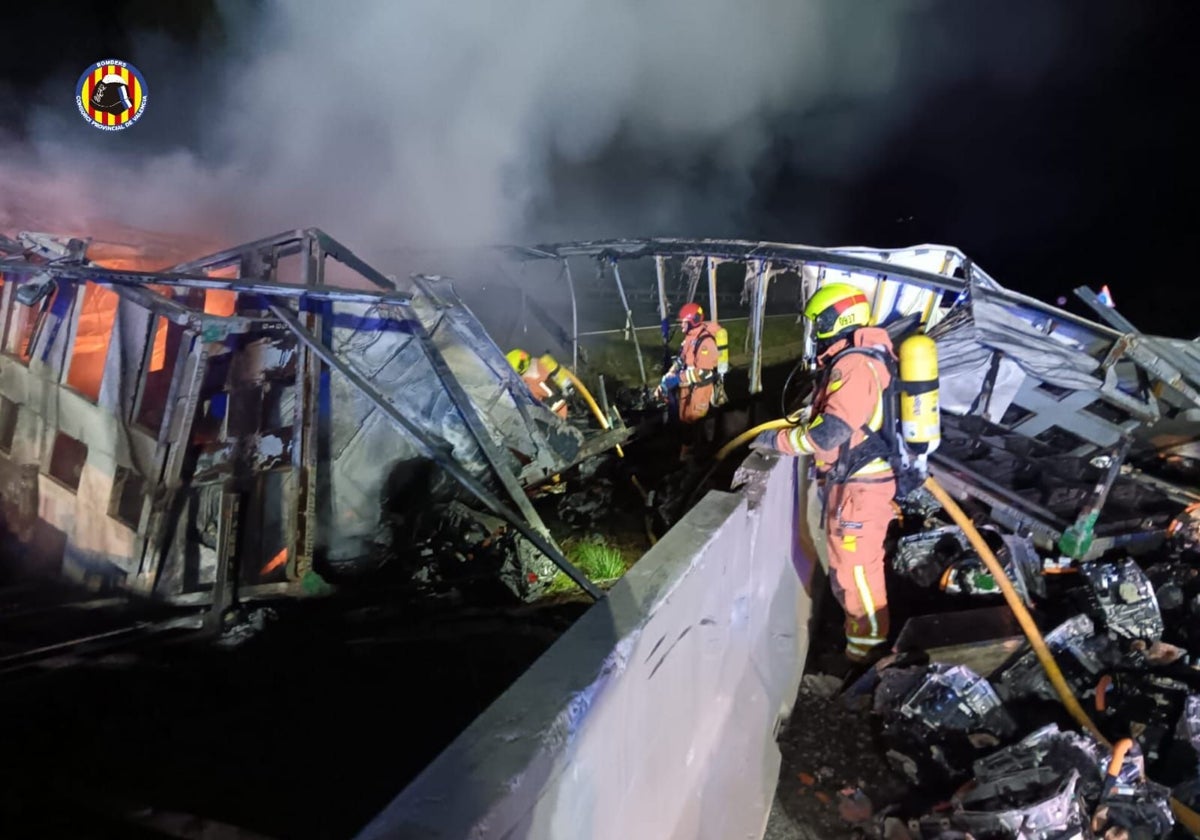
<point>994,754</point>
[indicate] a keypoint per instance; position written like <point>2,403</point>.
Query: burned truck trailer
<point>256,421</point>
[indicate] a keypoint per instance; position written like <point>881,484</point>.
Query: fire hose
<point>749,434</point>
<point>1186,816</point>
<point>591,402</point>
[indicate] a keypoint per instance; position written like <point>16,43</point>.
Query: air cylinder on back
<point>920,419</point>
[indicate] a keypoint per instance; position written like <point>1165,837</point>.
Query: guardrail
<point>655,714</point>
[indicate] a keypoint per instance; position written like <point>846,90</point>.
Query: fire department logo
<point>111,95</point>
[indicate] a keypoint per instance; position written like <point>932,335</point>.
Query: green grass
<point>615,357</point>
<point>599,562</point>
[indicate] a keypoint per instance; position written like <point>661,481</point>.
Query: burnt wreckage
<point>1075,445</point>
<point>243,423</point>
<point>255,423</point>
<point>233,420</point>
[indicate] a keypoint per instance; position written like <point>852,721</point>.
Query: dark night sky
<point>1084,176</point>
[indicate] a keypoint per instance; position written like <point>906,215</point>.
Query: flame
<point>229,272</point>
<point>135,263</point>
<point>20,332</point>
<point>221,302</point>
<point>275,562</point>
<point>158,352</point>
<point>96,315</point>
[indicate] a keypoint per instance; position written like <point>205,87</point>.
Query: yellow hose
<point>781,423</point>
<point>1188,818</point>
<point>587,398</point>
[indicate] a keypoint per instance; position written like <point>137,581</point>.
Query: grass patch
<point>599,562</point>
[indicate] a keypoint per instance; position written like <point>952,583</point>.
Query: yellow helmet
<point>837,307</point>
<point>519,360</point>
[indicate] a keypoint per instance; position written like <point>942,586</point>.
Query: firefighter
<point>856,481</point>
<point>542,376</point>
<point>694,371</point>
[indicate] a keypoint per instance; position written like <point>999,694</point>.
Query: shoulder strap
<point>875,444</point>
<point>875,353</point>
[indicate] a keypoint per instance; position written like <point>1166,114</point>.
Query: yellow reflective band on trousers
<point>864,592</point>
<point>862,644</point>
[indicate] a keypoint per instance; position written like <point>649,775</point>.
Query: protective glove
<point>669,381</point>
<point>801,416</point>
<point>765,440</point>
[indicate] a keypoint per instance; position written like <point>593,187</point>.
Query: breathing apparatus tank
<point>920,419</point>
<point>721,336</point>
<point>555,374</point>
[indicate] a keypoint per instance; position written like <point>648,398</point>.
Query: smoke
<point>427,122</point>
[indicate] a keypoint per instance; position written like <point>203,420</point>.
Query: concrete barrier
<point>655,715</point>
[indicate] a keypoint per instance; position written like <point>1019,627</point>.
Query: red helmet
<point>691,314</point>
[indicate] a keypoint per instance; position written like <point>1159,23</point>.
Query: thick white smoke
<point>429,122</point>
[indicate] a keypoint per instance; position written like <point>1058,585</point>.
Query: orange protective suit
<point>538,377</point>
<point>859,509</point>
<point>696,367</point>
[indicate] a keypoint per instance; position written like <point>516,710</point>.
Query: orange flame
<point>97,312</point>
<point>221,302</point>
<point>275,562</point>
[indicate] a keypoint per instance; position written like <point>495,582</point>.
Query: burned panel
<point>67,458</point>
<point>18,499</point>
<point>366,445</point>
<point>128,497</point>
<point>538,442</point>
<point>8,423</point>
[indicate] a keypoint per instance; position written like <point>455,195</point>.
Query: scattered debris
<point>854,806</point>
<point>821,685</point>
<point>245,626</point>
<point>1080,652</point>
<point>1124,599</point>
<point>932,717</point>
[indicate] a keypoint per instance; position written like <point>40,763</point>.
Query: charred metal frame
<point>538,535</point>
<point>629,325</point>
<point>257,265</point>
<point>1159,358</point>
<point>1173,363</point>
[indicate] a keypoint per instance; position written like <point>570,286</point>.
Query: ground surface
<point>834,750</point>
<point>304,731</point>
<point>308,728</point>
<point>829,747</point>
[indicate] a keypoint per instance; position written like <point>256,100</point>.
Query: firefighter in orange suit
<point>694,371</point>
<point>540,376</point>
<point>855,475</point>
